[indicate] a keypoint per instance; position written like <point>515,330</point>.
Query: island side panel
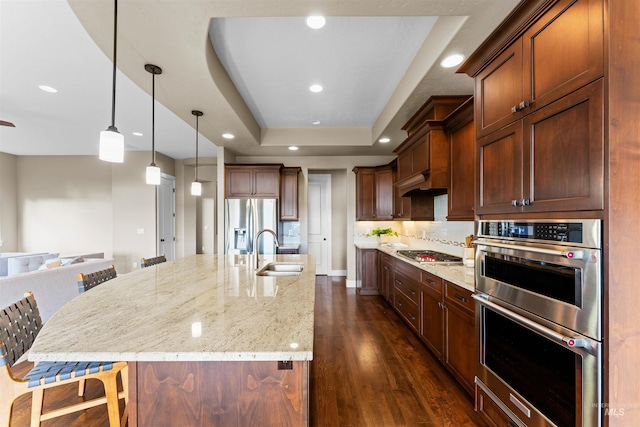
<point>220,394</point>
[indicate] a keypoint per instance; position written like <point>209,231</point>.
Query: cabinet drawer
<point>407,309</point>
<point>408,270</point>
<point>459,296</point>
<point>433,284</point>
<point>409,287</point>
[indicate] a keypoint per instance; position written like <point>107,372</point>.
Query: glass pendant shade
<point>196,188</point>
<point>111,145</point>
<point>153,174</point>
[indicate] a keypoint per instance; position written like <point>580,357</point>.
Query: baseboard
<point>351,283</point>
<point>338,273</point>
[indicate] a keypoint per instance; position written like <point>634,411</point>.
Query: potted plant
<point>382,233</point>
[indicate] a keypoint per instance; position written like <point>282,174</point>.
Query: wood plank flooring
<point>369,370</point>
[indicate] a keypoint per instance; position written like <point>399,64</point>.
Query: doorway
<point>167,217</point>
<point>319,230</point>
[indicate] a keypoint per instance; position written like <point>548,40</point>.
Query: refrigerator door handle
<point>250,225</point>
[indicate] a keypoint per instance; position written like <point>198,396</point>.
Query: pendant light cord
<point>153,119</point>
<point>197,117</point>
<point>115,50</point>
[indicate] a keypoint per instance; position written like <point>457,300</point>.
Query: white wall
<point>8,203</point>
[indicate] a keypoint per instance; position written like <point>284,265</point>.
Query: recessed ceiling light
<point>293,148</point>
<point>452,60</point>
<point>137,133</point>
<point>228,136</point>
<point>315,88</point>
<point>48,89</point>
<point>315,122</point>
<point>384,140</point>
<point>316,22</point>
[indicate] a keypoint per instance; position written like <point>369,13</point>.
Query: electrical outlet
<point>285,365</point>
<point>135,265</point>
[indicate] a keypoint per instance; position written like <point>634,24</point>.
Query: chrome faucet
<point>255,242</point>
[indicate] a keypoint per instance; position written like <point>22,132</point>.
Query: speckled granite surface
<point>198,308</point>
<point>457,274</point>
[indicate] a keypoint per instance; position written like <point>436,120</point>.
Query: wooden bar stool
<point>20,324</point>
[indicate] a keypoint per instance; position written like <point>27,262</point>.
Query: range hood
<point>424,183</point>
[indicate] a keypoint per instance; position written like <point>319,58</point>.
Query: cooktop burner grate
<point>430,256</point>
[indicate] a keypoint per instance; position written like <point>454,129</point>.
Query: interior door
<point>319,234</point>
<point>166,216</point>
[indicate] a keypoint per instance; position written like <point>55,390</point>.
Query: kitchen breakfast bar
<point>209,342</point>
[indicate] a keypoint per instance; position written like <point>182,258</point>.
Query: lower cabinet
<point>385,276</point>
<point>367,271</point>
<point>440,312</point>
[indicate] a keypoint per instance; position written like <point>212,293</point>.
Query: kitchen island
<point>209,343</point>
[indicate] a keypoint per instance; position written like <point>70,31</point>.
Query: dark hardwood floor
<point>369,370</point>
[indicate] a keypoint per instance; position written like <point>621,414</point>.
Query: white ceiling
<point>384,73</point>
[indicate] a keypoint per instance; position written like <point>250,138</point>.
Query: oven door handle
<point>578,344</point>
<point>577,254</point>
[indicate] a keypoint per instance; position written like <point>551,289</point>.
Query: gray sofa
<point>52,287</point>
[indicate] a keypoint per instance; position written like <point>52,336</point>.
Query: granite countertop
<point>198,308</point>
<point>456,274</point>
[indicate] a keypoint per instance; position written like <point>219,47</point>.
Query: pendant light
<point>153,172</point>
<point>196,186</point>
<point>112,141</point>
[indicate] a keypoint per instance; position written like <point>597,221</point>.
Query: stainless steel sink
<point>281,269</point>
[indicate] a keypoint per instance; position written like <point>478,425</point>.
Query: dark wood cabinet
<point>406,282</point>
<point>386,276</point>
<point>535,69</point>
<point>289,193</point>
<point>256,181</point>
<point>374,193</point>
<point>459,335</point>
<point>551,160</point>
<point>460,131</point>
<point>367,271</point>
<point>432,314</point>
<point>538,112</point>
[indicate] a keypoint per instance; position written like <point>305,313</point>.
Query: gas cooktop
<point>430,257</point>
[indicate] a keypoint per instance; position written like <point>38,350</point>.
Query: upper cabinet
<point>289,193</point>
<point>374,193</point>
<point>260,181</point>
<point>560,52</point>
<point>539,111</point>
<point>423,158</point>
<point>460,132</point>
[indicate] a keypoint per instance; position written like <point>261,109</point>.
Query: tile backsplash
<point>438,235</point>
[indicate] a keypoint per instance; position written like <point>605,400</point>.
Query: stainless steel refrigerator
<point>243,218</point>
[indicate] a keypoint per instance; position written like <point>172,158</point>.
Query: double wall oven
<point>539,316</point>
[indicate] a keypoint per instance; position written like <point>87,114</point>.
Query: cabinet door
<point>498,91</point>
<point>384,194</point>
<point>266,182</point>
<point>562,51</point>
<point>460,338</point>
<point>365,194</point>
<point>432,322</point>
<point>564,153</point>
<point>289,194</point>
<point>239,182</point>
<point>461,188</point>
<point>499,158</point>
<point>369,271</point>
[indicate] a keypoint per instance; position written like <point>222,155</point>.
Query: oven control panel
<point>572,231</point>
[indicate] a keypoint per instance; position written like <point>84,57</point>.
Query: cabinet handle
<point>412,316</point>
<point>460,297</point>
<point>412,291</point>
<point>398,282</point>
<point>398,303</point>
<point>520,107</point>
<point>515,203</point>
<point>525,202</point>
<point>431,283</point>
